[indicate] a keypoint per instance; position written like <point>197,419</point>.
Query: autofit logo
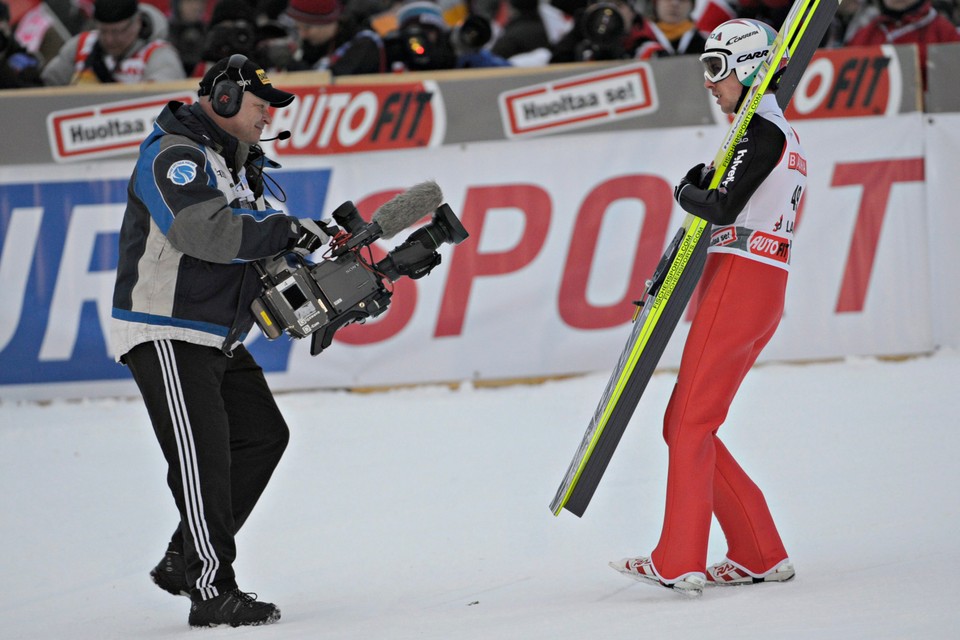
<point>770,246</point>
<point>99,131</point>
<point>853,82</point>
<point>350,119</point>
<point>581,101</point>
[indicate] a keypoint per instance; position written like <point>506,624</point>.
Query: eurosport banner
<point>563,232</point>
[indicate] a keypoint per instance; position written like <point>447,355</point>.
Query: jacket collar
<point>916,11</point>
<point>190,121</point>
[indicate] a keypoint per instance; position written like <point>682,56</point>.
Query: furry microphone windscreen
<point>408,207</point>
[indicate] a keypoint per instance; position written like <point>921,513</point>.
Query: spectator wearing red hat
<point>907,22</point>
<point>315,12</point>
<point>122,48</point>
<point>320,29</point>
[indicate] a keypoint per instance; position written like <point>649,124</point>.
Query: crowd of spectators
<point>80,41</point>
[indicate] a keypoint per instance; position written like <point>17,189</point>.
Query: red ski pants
<point>740,308</point>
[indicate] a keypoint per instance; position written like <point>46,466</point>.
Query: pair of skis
<point>676,275</point>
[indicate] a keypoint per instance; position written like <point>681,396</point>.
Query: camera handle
<point>269,277</point>
<point>266,279</point>
<point>324,337</point>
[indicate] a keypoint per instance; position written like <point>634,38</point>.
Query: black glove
<point>310,236</point>
<point>699,176</point>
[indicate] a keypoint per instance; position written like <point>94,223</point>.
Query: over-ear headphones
<point>226,94</point>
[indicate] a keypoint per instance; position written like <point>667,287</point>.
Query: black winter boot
<point>234,608</point>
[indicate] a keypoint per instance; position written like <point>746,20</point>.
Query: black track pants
<point>222,436</point>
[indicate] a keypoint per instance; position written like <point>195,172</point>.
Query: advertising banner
<point>563,177</point>
<point>405,111</point>
<point>563,232</point>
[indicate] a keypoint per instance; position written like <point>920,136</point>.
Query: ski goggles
<point>715,66</point>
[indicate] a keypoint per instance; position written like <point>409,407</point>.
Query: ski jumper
<point>753,212</point>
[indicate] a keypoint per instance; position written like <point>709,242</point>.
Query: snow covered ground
<point>423,514</point>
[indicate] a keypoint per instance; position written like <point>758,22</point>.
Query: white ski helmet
<point>738,45</point>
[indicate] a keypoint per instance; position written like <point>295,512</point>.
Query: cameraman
<point>232,29</point>
<point>421,42</point>
<point>196,223</point>
<point>612,30</point>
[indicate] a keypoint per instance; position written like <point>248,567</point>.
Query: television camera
<point>347,286</point>
<point>603,29</point>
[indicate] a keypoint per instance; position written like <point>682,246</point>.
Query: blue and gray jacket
<point>195,223</point>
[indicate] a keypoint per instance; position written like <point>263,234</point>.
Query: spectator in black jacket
<point>524,30</point>
<point>605,30</point>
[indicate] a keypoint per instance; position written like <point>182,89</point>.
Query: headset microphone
<point>283,135</point>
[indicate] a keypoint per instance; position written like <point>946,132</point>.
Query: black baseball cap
<point>249,75</point>
<point>113,11</point>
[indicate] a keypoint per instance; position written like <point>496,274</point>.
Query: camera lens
<point>603,25</point>
<point>418,255</point>
<point>474,32</point>
<point>444,227</point>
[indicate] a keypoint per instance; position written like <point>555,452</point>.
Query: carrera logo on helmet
<point>716,36</point>
<point>752,56</point>
<point>743,36</point>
